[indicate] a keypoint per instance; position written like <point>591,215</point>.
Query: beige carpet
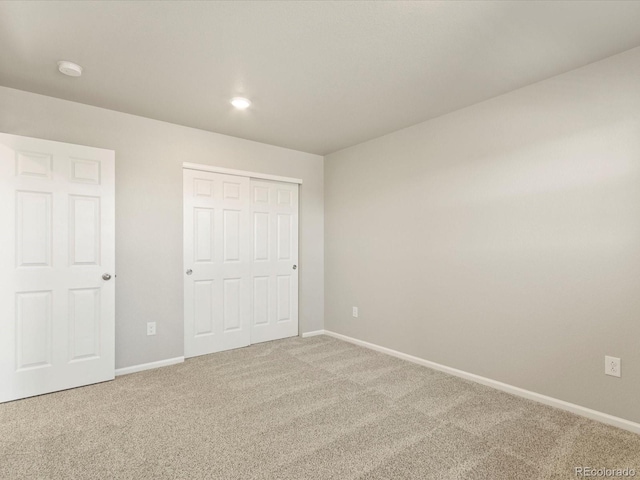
<point>314,408</point>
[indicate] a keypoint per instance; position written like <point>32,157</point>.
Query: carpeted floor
<point>314,408</point>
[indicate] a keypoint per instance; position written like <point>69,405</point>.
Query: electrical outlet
<point>151,328</point>
<point>612,366</point>
<point>355,312</point>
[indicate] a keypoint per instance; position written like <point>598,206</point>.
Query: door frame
<point>242,173</point>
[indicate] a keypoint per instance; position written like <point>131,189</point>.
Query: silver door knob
<point>295,266</point>
<point>106,276</point>
<point>189,272</point>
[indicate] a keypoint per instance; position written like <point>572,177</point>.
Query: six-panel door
<point>274,255</point>
<point>56,242</point>
<point>216,262</point>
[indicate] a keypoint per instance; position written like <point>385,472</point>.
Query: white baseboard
<point>520,392</point>
<point>148,366</point>
<point>313,334</point>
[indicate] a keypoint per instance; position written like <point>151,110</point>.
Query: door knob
<point>295,266</point>
<point>106,276</point>
<point>189,272</point>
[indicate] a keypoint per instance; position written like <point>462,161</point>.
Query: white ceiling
<point>322,75</point>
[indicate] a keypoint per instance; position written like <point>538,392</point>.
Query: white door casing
<point>216,262</point>
<point>57,239</point>
<point>274,257</point>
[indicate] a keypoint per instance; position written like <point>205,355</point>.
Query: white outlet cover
<point>355,312</point>
<point>612,366</point>
<point>151,328</point>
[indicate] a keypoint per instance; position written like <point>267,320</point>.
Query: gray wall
<point>502,239</point>
<point>149,156</point>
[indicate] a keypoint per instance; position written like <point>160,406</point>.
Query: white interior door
<point>216,262</point>
<point>57,241</point>
<point>274,271</point>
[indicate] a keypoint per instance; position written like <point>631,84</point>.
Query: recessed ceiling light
<point>240,103</point>
<point>69,68</point>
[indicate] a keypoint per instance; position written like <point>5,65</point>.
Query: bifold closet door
<point>57,260</point>
<point>217,287</point>
<point>274,255</point>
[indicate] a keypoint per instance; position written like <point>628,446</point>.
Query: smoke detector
<point>69,68</point>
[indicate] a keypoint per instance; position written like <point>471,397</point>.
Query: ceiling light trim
<point>241,103</point>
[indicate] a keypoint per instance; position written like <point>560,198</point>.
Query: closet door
<point>217,287</point>
<point>274,256</point>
